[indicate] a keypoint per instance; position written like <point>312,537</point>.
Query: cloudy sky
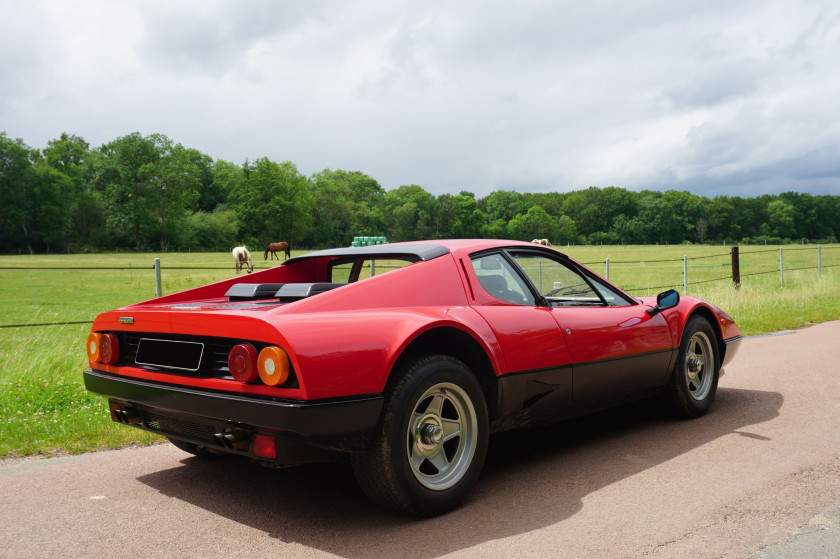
<point>714,97</point>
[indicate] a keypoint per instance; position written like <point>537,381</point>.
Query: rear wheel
<point>695,379</point>
<point>431,440</point>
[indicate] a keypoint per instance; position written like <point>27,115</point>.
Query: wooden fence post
<point>736,267</point>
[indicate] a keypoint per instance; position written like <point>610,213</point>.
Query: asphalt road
<point>758,477</point>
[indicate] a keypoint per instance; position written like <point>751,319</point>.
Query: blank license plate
<point>170,354</point>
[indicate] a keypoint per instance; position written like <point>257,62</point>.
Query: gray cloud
<point>208,37</point>
<point>715,97</point>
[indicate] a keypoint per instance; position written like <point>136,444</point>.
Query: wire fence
<point>635,276</point>
<point>698,270</point>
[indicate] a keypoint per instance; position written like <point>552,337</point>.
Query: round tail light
<point>273,366</point>
<point>242,362</point>
<point>109,349</point>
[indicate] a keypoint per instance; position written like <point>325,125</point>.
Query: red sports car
<point>402,357</point>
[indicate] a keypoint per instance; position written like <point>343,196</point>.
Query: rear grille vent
<point>197,432</point>
<point>213,360</point>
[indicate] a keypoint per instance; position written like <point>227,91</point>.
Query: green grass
<point>44,408</point>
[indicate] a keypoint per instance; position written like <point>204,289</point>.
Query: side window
<point>501,280</point>
<point>612,298</point>
<point>563,286</point>
<point>555,281</point>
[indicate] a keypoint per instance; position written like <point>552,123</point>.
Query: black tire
<point>194,449</point>
<point>431,440</point>
<point>695,378</point>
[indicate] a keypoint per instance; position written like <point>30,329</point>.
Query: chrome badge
<point>126,320</point>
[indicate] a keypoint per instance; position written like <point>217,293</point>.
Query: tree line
<point>149,193</point>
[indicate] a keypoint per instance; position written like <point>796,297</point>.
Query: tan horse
<point>241,257</point>
<point>274,248</point>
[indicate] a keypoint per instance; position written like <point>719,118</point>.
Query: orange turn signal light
<point>273,366</point>
<point>93,346</point>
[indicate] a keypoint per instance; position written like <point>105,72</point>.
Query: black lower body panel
<point>204,417</point>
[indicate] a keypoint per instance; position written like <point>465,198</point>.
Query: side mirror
<point>665,300</point>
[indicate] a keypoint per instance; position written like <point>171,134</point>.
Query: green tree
<point>566,232</point>
<point>503,204</point>
<point>125,175</point>
<point>408,212</point>
<point>630,230</point>
<point>780,216</point>
<point>346,203</point>
<point>595,209</point>
<point>209,193</point>
<point>685,209</point>
<point>212,231</point>
<point>175,183</point>
<point>50,197</point>
<point>273,203</point>
<point>722,219</point>
<point>656,215</point>
<point>71,156</point>
<point>150,185</point>
<point>533,224</point>
<point>496,229</point>
<point>458,216</point>
<point>225,177</point>
<point>16,175</point>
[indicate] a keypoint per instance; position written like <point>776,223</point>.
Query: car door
<point>528,334</point>
<point>614,345</point>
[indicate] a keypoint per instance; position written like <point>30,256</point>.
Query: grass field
<point>44,407</point>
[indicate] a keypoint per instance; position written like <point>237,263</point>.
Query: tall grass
<point>44,407</point>
<point>763,305</point>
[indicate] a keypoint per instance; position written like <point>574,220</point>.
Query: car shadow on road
<point>531,479</point>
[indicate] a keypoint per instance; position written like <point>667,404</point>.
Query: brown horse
<point>274,248</point>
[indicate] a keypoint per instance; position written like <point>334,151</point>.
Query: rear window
<point>349,271</point>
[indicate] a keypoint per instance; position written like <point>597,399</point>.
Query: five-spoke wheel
<point>442,436</point>
<point>699,366</point>
<point>694,381</point>
<point>431,439</point>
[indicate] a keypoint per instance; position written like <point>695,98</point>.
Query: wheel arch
<point>710,316</point>
<point>452,342</point>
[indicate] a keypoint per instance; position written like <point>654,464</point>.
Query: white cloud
<point>713,98</point>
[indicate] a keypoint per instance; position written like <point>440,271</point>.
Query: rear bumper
<point>326,423</point>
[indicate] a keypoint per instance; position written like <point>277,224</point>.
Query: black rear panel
<point>160,354</point>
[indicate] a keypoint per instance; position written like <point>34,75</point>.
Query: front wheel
<point>431,441</point>
<point>695,378</point>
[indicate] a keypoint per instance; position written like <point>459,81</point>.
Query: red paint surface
<point>345,341</point>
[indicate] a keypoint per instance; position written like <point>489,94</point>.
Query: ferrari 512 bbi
<point>401,358</point>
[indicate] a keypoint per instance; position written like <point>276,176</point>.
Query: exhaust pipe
<point>235,439</point>
<point>128,415</point>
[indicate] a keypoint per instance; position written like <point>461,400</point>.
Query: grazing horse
<point>241,257</point>
<point>274,248</point>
